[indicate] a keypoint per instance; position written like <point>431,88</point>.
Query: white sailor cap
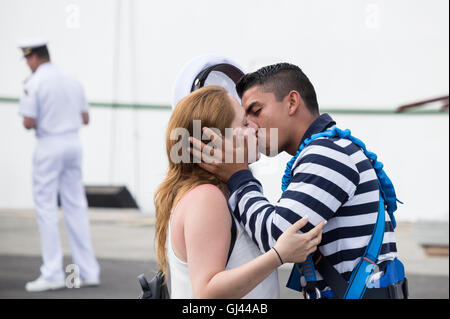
<point>30,45</point>
<point>206,70</point>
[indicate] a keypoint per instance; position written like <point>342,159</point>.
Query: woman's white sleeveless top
<point>244,250</point>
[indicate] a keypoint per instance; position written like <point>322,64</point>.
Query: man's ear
<point>294,99</point>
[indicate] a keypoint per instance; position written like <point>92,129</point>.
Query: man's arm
<point>28,107</point>
<point>207,225</point>
<point>319,186</point>
<point>324,177</point>
<point>84,105</point>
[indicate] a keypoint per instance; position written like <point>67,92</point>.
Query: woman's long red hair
<point>212,106</point>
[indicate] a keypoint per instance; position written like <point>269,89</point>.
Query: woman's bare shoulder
<point>206,198</point>
<point>205,192</point>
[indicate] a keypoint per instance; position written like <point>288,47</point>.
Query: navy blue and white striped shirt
<point>332,180</point>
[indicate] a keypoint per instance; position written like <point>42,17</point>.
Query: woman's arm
<point>207,236</point>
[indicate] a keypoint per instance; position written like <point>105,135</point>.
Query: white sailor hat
<point>206,70</point>
<point>30,45</point>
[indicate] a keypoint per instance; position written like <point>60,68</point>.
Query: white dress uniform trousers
<point>56,101</point>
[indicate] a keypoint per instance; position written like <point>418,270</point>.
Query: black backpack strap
<point>331,276</point>
<point>155,289</point>
<point>233,237</point>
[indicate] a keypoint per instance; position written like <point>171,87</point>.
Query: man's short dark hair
<point>280,79</point>
<point>41,52</point>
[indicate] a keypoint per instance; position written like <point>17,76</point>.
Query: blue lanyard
<point>386,187</point>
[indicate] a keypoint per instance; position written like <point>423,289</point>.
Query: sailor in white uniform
<point>54,105</point>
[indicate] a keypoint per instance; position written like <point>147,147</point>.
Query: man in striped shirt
<point>332,179</point>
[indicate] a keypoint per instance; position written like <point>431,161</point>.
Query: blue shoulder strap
<point>388,200</point>
<point>363,271</point>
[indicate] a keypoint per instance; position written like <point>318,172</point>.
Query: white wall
<point>359,54</point>
<point>413,148</point>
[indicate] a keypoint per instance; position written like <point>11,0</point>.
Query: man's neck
<point>40,63</point>
<point>298,133</point>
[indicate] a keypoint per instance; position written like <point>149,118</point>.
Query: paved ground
<point>119,280</point>
<point>123,241</point>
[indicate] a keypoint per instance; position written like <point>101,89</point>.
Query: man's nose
<point>252,124</point>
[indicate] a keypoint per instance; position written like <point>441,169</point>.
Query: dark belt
<point>395,291</point>
<point>338,284</point>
